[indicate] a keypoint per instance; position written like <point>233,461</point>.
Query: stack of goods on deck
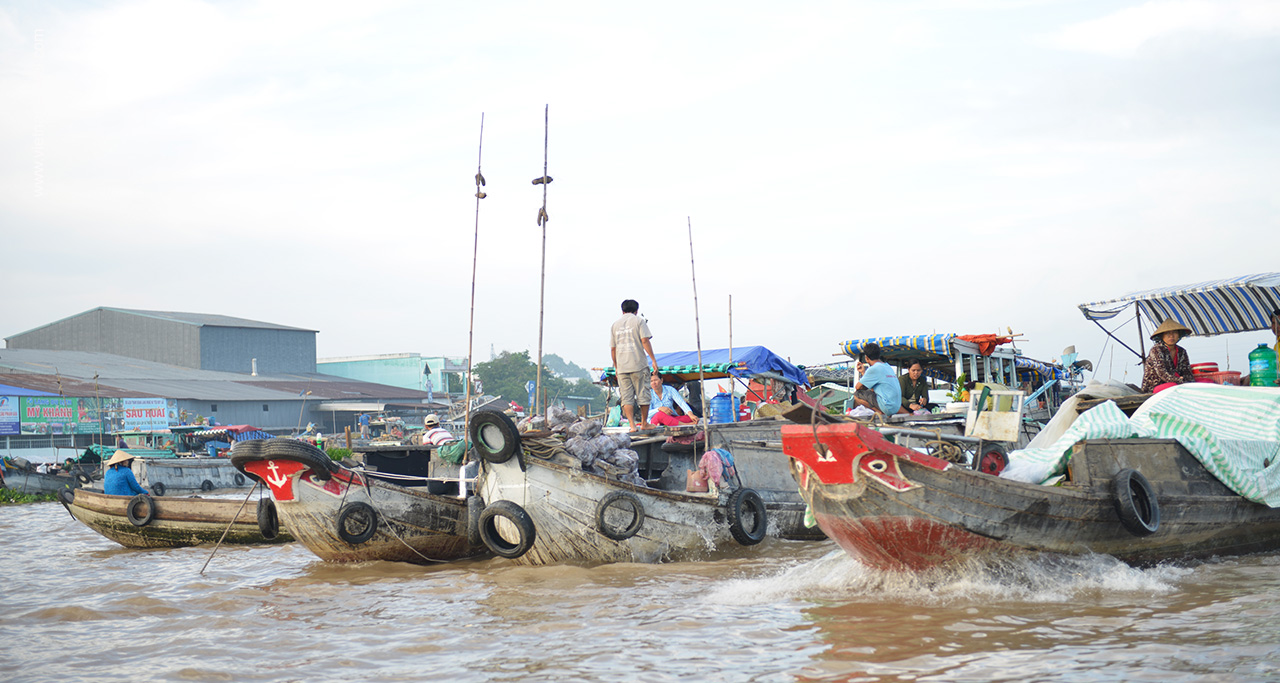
<point>608,455</point>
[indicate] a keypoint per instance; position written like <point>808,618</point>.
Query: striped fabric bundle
<point>1233,431</point>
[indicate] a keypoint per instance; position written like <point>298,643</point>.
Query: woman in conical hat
<point>119,479</point>
<point>1167,363</point>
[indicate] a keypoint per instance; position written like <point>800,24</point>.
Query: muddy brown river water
<point>77,607</point>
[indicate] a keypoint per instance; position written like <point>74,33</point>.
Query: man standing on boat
<point>628,344</point>
<point>878,389</point>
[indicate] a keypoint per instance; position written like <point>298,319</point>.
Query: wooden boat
<point>1141,500</point>
<point>146,522</point>
<point>756,444</point>
<point>174,461</point>
<point>30,481</point>
<point>546,511</point>
<point>351,514</point>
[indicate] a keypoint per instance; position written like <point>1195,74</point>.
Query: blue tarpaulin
<point>747,362</point>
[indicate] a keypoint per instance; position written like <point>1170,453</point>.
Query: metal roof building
<point>191,340</point>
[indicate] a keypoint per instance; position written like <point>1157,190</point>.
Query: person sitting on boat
<point>119,479</point>
<point>663,399</point>
<point>915,389</point>
<point>1167,363</point>
<point>877,388</point>
<point>435,435</point>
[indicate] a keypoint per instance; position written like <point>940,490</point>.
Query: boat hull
<point>756,446</point>
<point>177,522</point>
<point>183,475</point>
<point>561,501</point>
<point>35,482</point>
<point>311,496</point>
<point>895,509</point>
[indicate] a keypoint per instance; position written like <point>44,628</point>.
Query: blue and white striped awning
<point>1239,304</point>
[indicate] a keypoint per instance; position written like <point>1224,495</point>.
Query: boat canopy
<point>743,362</point>
<point>943,353</point>
<point>1239,304</point>
<point>234,433</point>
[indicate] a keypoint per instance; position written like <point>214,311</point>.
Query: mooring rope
<point>228,529</point>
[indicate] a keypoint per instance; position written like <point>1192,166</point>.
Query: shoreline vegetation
<point>12,497</point>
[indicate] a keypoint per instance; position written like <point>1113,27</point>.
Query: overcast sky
<point>850,169</point>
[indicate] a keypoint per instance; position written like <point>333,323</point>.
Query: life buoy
<point>238,479</point>
<point>356,522</point>
<point>519,519</point>
<point>495,436</point>
<point>268,521</point>
<point>206,485</point>
<point>621,499</point>
<point>740,503</point>
<point>1136,503</point>
<point>140,510</point>
<point>475,506</point>
<point>157,488</point>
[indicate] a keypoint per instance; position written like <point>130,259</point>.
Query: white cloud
<point>1123,33</point>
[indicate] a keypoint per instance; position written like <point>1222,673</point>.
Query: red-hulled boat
<point>353,515</point>
<point>1140,500</point>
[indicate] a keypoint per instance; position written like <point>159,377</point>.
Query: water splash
<point>1030,578</point>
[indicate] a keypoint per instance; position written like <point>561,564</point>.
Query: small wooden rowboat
<point>541,511</point>
<point>1141,500</point>
<point>345,515</point>
<point>145,522</point>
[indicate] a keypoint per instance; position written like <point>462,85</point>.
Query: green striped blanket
<point>1233,431</point>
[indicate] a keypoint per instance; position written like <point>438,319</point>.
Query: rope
<point>543,447</point>
<point>228,529</point>
<point>368,492</point>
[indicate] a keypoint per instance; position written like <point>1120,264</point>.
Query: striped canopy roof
<point>1239,304</point>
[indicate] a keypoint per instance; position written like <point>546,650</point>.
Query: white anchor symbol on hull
<point>274,481</point>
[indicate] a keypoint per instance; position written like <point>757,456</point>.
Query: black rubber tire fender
<point>741,502</point>
<point>317,461</point>
<point>1136,502</point>
<point>157,488</point>
<point>206,485</point>
<point>83,478</point>
<point>518,517</point>
<point>147,514</point>
<point>624,499</point>
<point>268,520</point>
<point>993,459</point>
<point>66,496</point>
<point>494,436</point>
<point>364,521</point>
<point>475,507</point>
<point>238,479</point>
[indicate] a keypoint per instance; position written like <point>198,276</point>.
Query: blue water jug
<point>724,408</point>
<point>1262,367</point>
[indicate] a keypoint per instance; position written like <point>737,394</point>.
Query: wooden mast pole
<point>471,323</point>
<point>542,288</point>
<point>697,327</point>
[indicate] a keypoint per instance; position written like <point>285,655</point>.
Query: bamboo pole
<point>697,327</point>
<point>471,323</point>
<point>542,288</point>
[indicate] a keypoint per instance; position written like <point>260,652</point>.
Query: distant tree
<point>564,368</point>
<point>507,374</point>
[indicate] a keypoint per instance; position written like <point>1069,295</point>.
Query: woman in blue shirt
<point>662,402</point>
<point>119,479</point>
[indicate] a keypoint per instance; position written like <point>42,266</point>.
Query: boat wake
<point>1038,578</point>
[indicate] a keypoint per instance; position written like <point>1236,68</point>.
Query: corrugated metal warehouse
<point>201,364</point>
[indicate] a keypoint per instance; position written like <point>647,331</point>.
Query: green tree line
<point>507,374</point>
